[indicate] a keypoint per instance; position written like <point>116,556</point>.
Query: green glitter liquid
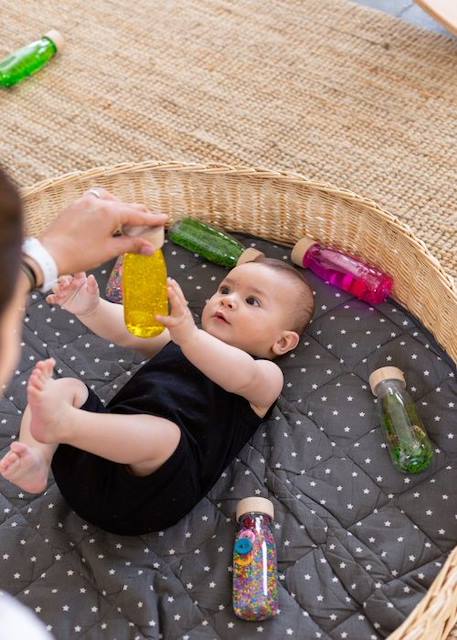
<point>208,241</point>
<point>145,293</point>
<point>409,446</point>
<point>26,61</point>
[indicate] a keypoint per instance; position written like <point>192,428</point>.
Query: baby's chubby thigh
<point>162,439</point>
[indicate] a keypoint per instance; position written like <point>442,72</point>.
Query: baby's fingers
<point>178,291</point>
<point>62,283</point>
<point>177,305</point>
<point>92,285</point>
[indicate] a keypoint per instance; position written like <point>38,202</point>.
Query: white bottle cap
<point>56,37</point>
<point>255,505</point>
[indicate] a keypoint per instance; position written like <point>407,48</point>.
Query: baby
<point>142,462</point>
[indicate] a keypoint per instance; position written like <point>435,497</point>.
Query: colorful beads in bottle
<point>211,243</point>
<point>26,61</point>
<point>407,441</point>
<point>144,284</point>
<point>343,271</point>
<point>255,578</point>
<point>113,289</point>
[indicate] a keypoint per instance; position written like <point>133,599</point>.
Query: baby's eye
<point>253,301</point>
<point>224,289</point>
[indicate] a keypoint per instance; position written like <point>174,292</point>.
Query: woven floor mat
<point>340,93</point>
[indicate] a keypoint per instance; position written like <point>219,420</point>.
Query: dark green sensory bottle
<point>407,440</point>
<point>211,243</point>
<point>26,61</point>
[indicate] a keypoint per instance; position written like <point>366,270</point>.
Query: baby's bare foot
<point>26,467</point>
<point>46,404</point>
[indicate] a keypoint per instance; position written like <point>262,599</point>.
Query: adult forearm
<point>229,367</point>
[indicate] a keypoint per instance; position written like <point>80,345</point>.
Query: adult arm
<point>82,236</point>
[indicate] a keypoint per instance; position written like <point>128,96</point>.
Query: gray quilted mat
<point>359,543</point>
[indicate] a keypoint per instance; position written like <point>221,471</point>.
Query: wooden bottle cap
<point>300,248</point>
<point>385,373</point>
<point>155,235</point>
<point>249,255</point>
<point>255,505</point>
<point>56,37</point>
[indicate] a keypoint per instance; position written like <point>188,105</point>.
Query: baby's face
<point>250,308</point>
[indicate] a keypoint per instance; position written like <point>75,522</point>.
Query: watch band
<point>32,247</point>
<point>31,277</point>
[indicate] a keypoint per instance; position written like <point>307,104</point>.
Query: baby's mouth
<point>220,316</point>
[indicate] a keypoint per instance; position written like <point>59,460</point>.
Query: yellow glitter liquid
<point>145,294</point>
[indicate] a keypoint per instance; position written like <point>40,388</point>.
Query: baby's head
<point>262,307</point>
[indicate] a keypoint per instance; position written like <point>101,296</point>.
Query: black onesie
<point>214,424</point>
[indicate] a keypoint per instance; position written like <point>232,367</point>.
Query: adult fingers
<point>101,193</point>
<point>136,215</point>
<point>131,244</point>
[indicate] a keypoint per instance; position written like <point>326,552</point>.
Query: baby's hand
<point>180,322</point>
<point>77,294</point>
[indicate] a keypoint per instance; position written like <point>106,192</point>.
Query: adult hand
<point>82,236</point>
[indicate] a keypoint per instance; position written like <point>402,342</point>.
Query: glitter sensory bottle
<point>144,284</point>
<point>343,271</point>
<point>26,61</point>
<point>407,441</point>
<point>255,578</point>
<point>210,242</point>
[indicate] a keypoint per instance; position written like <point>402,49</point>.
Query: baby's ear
<point>285,343</point>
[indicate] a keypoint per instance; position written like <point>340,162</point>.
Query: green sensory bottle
<point>211,243</point>
<point>407,440</point>
<point>144,285</point>
<point>26,61</point>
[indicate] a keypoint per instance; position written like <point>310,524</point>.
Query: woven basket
<point>283,207</point>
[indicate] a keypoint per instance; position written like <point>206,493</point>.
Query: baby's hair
<point>10,238</point>
<point>304,302</point>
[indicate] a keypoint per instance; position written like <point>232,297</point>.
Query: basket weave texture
<point>337,92</point>
<point>283,207</point>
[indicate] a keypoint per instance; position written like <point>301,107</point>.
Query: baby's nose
<point>228,301</point>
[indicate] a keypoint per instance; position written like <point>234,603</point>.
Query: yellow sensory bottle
<point>144,285</point>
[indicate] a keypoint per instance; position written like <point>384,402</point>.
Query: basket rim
<point>442,591</point>
<point>290,177</point>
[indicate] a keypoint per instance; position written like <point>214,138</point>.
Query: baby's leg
<point>28,461</point>
<point>144,442</point>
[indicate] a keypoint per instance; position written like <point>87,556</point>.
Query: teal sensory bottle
<point>26,61</point>
<point>407,440</point>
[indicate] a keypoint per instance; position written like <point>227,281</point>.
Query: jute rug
<point>342,94</point>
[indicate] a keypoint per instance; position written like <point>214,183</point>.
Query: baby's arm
<point>79,294</point>
<point>259,381</point>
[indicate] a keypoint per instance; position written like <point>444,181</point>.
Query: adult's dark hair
<point>11,230</point>
<point>304,302</point>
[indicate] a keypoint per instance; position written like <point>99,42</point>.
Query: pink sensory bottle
<point>255,578</point>
<point>343,271</point>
